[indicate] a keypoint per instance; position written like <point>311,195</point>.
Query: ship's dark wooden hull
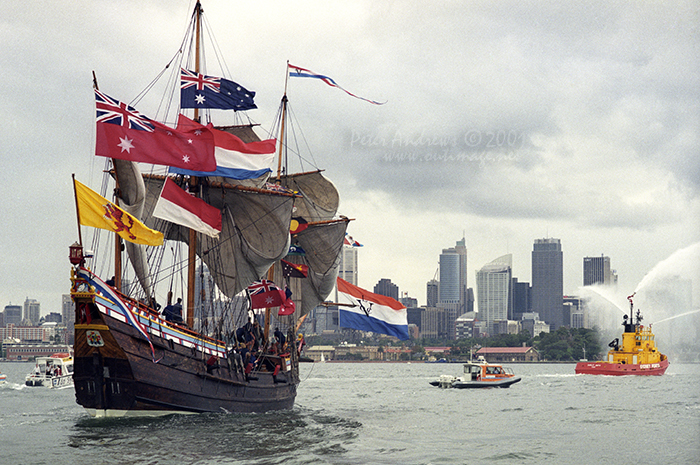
<point>120,377</point>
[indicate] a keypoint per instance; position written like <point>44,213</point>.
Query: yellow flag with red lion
<point>98,212</point>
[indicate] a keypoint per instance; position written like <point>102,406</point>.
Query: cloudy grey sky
<point>505,121</point>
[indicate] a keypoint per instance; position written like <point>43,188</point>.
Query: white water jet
<point>683,263</point>
<point>677,316</point>
<point>667,294</point>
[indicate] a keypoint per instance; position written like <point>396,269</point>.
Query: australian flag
<point>201,91</point>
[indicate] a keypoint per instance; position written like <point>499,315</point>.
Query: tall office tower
<point>453,276</point>
<point>452,292</point>
<point>32,312</point>
<point>387,288</point>
<point>548,281</point>
<point>522,299</point>
<point>596,270</point>
<point>67,314</point>
<point>432,293</point>
<point>347,269</point>
<point>494,291</point>
<point>13,315</point>
<point>68,317</point>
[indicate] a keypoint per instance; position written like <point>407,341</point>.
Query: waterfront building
<point>509,354</point>
<point>548,281</point>
<point>20,352</point>
<point>494,292</point>
<point>27,333</point>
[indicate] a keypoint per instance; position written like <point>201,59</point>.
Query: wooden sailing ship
<point>130,360</point>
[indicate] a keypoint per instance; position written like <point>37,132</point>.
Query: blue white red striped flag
<point>296,71</point>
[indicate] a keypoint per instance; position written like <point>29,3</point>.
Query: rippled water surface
<point>377,413</point>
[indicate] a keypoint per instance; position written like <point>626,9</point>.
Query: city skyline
<point>503,122</point>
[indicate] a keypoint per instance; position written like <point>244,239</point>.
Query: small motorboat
<point>54,372</point>
<point>3,378</point>
<point>479,374</point>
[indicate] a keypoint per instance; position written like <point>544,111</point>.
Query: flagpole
<point>117,239</point>
<point>77,211</point>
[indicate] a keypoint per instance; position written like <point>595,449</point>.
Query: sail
<point>320,197</point>
<point>255,231</point>
<point>322,243</point>
<point>132,195</point>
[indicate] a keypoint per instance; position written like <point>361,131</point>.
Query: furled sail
<point>322,243</point>
<point>132,195</point>
<point>320,197</point>
<point>255,231</point>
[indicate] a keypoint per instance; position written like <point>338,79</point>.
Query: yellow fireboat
<point>638,354</point>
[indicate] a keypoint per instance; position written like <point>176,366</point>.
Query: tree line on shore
<point>565,344</point>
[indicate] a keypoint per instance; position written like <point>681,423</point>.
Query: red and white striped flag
<point>179,207</point>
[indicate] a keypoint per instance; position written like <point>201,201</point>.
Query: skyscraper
<point>453,276</point>
<point>596,270</point>
<point>347,269</point>
<point>522,299</point>
<point>452,291</point>
<point>387,288</point>
<point>32,312</point>
<point>432,293</point>
<point>13,315</point>
<point>494,290</point>
<point>548,281</point>
<point>68,317</point>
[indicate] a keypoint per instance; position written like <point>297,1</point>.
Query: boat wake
<point>13,386</point>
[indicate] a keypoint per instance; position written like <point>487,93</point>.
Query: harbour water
<point>381,413</point>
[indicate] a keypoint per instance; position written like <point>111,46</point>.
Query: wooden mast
<point>192,250</point>
<point>271,272</point>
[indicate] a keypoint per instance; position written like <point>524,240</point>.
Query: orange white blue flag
<point>368,311</point>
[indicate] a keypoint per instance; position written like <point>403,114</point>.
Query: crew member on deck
<point>279,335</point>
<point>177,311</point>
